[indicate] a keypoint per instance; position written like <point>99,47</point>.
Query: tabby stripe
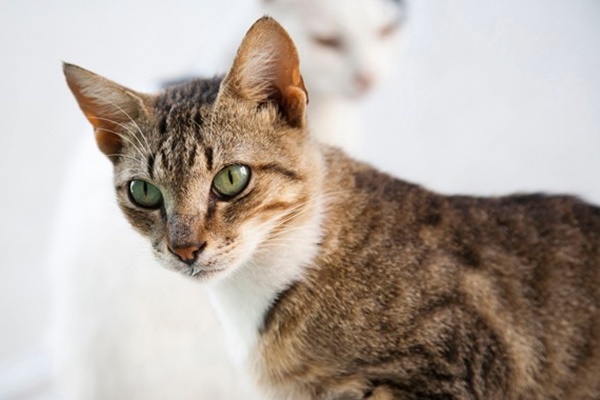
<point>162,125</point>
<point>208,152</point>
<point>291,175</point>
<point>162,153</point>
<point>198,119</point>
<point>192,158</point>
<point>151,160</point>
<point>165,160</point>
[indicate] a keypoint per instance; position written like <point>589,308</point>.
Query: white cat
<point>347,48</point>
<point>126,328</point>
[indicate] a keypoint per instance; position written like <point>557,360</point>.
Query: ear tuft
<point>107,105</point>
<point>267,69</point>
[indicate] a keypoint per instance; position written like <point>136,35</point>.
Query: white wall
<point>490,97</point>
<point>497,96</point>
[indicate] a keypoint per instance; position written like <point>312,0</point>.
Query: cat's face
<point>220,191</point>
<point>347,46</point>
<point>213,174</point>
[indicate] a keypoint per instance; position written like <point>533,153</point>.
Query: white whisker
<point>121,135</point>
<point>147,147</point>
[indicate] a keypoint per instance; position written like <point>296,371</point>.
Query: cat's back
<point>373,210</point>
<point>531,226</point>
<point>446,295</point>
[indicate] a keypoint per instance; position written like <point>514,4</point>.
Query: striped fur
<point>335,281</point>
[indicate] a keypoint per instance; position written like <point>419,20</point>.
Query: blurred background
<point>487,97</point>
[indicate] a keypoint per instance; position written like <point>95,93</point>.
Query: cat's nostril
<point>188,253</point>
<point>363,80</point>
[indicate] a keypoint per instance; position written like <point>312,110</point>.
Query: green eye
<point>231,180</point>
<point>145,194</point>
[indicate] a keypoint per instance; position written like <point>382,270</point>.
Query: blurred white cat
<point>347,49</point>
<point>124,328</point>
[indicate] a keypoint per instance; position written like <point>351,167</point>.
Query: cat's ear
<point>108,106</point>
<point>267,69</point>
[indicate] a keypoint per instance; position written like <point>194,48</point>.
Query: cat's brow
<point>273,167</point>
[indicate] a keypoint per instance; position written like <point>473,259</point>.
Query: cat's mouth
<point>198,270</point>
<point>203,272</point>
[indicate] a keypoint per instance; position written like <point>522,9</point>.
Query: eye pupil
<point>230,175</point>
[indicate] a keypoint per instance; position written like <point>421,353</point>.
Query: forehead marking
<point>150,164</point>
<point>208,152</point>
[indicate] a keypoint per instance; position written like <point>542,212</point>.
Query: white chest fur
<point>242,299</point>
<point>240,303</point>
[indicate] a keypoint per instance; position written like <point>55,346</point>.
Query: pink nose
<point>363,81</point>
<point>188,253</point>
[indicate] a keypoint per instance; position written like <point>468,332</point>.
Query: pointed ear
<point>267,69</point>
<point>107,105</point>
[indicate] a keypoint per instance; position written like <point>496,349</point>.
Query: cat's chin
<point>196,272</point>
<point>207,275</point>
<point>200,274</point>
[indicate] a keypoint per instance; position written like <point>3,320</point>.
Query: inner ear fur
<point>267,69</point>
<point>107,105</point>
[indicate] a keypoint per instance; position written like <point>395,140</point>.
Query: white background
<point>489,97</point>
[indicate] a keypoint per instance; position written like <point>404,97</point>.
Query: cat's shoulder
<point>363,177</point>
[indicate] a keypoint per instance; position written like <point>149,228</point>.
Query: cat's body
<point>423,296</point>
<point>105,350</point>
<point>335,281</point>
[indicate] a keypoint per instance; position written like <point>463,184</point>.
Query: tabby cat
<point>333,280</point>
<point>100,264</point>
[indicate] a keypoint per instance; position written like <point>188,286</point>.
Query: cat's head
<point>347,46</point>
<point>215,173</point>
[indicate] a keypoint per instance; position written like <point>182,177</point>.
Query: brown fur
<point>411,294</point>
<point>442,297</point>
